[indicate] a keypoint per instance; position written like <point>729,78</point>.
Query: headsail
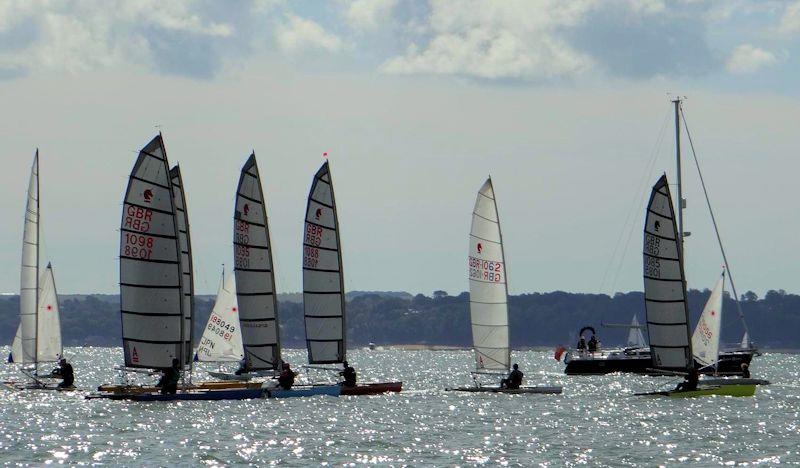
<point>151,294</point>
<point>488,290</point>
<point>185,243</point>
<point>255,281</point>
<point>222,338</point>
<point>323,280</point>
<point>635,336</point>
<point>16,347</point>
<point>665,284</point>
<point>29,275</point>
<point>49,334</point>
<point>705,340</point>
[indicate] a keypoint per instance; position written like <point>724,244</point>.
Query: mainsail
<point>49,324</point>
<point>185,243</point>
<point>255,281</point>
<point>151,289</point>
<point>488,290</point>
<point>222,338</point>
<point>635,336</point>
<point>323,281</point>
<point>705,339</point>
<point>29,275</point>
<point>665,284</point>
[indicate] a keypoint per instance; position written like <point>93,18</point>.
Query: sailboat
<point>488,296</point>
<point>38,337</point>
<point>324,304</point>
<point>221,341</point>
<point>665,300</point>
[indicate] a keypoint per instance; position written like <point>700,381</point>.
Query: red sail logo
<point>234,309</point>
<point>318,213</point>
<point>49,307</point>
<point>246,209</point>
<point>480,247</point>
<point>135,356</point>
<point>148,195</point>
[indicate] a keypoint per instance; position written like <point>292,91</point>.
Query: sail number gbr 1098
<point>485,270</point>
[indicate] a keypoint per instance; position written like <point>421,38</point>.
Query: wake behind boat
<point>488,301</point>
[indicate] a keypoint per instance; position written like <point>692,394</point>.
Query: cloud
<point>486,39</point>
<point>303,34</point>
<point>790,20</point>
<point>747,58</point>
<point>368,14</point>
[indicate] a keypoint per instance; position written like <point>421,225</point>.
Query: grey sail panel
<point>151,294</point>
<point>255,281</point>
<point>665,284</point>
<point>323,282</point>
<point>187,267</point>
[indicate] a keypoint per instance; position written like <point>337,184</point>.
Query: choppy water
<point>596,421</point>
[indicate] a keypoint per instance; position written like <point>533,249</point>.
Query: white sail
<point>150,268</point>
<point>705,339</point>
<point>255,280</point>
<point>488,290</point>
<point>745,344</point>
<point>16,346</point>
<point>185,243</point>
<point>49,333</point>
<point>635,336</point>
<point>323,280</point>
<point>665,284</point>
<point>29,275</point>
<point>222,338</point>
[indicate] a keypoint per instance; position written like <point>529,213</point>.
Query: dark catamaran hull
<point>730,363</point>
<point>222,394</point>
<point>373,388</point>
<point>555,390</point>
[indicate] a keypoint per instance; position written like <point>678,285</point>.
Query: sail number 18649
<point>485,270</point>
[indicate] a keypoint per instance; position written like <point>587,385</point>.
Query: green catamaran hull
<point>724,390</point>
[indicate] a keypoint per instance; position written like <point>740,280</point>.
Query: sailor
<point>349,375</point>
<point>581,344</point>
<point>286,379</point>
<point>690,381</point>
<point>242,367</point>
<point>514,379</point>
<point>593,344</point>
<point>64,370</point>
<point>169,378</point>
<point>745,370</point>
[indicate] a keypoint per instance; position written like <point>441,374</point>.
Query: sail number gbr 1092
<point>485,270</point>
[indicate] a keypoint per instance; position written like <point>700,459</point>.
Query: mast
<point>38,242</point>
<point>679,175</point>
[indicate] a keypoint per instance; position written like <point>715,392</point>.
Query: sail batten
<point>255,280</point>
<point>665,284</point>
<point>488,289</point>
<point>152,300</point>
<point>323,279</point>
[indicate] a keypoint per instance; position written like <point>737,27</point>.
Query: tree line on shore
<point>537,319</point>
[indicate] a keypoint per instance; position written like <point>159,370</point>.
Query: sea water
<point>596,421</point>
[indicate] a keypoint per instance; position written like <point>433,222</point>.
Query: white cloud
<point>747,58</point>
<point>368,14</point>
<point>487,39</point>
<point>300,33</point>
<point>790,20</point>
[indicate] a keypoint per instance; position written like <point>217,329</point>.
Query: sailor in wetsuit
<point>745,371</point>
<point>169,378</point>
<point>286,379</point>
<point>581,345</point>
<point>690,382</point>
<point>64,370</point>
<point>349,375</point>
<point>593,344</point>
<point>514,379</point>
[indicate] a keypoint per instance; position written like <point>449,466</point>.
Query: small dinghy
<point>488,298</point>
<point>740,390</point>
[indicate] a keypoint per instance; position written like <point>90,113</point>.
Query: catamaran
<point>323,285</point>
<point>638,360</point>
<point>38,337</point>
<point>156,292</point>
<point>488,297</point>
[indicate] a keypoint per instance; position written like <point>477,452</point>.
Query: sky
<point>566,103</point>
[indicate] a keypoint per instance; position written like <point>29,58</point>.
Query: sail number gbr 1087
<point>485,270</point>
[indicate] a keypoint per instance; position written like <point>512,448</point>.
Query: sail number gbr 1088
<point>485,270</point>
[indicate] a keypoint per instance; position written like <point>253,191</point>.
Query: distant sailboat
<point>222,337</point>
<point>635,335</point>
<point>38,337</point>
<point>488,295</point>
<point>323,283</point>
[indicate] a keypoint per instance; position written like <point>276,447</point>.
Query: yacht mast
<point>681,204</point>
